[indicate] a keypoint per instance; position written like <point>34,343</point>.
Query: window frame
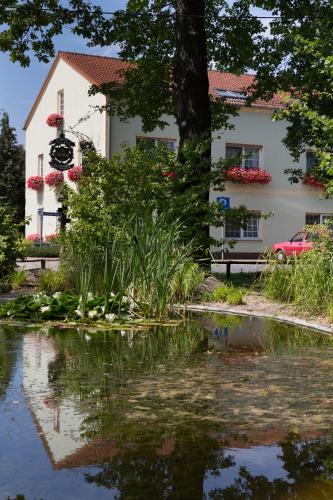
<point>243,153</point>
<point>241,230</point>
<point>321,217</point>
<point>156,140</point>
<point>61,102</point>
<point>307,154</point>
<point>40,163</point>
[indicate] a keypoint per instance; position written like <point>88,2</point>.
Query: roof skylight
<point>231,94</point>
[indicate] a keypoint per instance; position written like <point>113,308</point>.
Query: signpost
<point>225,204</point>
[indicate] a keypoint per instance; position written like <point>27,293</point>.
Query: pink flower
<point>75,173</point>
<point>33,237</point>
<point>52,238</point>
<point>54,120</point>
<point>242,175</point>
<point>35,182</point>
<point>54,179</point>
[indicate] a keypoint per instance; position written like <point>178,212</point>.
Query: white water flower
<point>112,294</point>
<point>124,299</point>
<point>92,314</point>
<point>90,297</point>
<point>86,336</point>
<point>44,309</point>
<point>56,295</point>
<point>110,317</point>
<point>78,313</point>
<point>123,333</point>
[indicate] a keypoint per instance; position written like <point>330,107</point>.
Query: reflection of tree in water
<point>8,348</point>
<point>310,474</point>
<point>141,474</point>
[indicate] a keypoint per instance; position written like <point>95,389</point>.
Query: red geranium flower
<point>33,237</point>
<point>242,175</point>
<point>310,180</point>
<point>35,182</point>
<point>75,173</point>
<point>54,179</point>
<point>55,120</point>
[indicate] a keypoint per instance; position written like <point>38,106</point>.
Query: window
<point>231,94</point>
<point>311,219</point>
<point>297,238</point>
<point>248,232</point>
<point>311,161</point>
<point>61,102</point>
<point>156,142</point>
<point>243,156</point>
<point>41,165</point>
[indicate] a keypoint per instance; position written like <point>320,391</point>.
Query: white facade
<point>253,127</point>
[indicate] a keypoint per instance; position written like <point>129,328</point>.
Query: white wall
<point>39,134</point>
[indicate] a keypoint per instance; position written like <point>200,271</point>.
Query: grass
<point>248,281</point>
<point>226,293</point>
<point>18,278</point>
<point>52,281</point>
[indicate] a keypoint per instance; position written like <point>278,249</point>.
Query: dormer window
<point>228,94</point>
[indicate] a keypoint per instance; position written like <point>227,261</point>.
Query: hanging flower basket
<point>55,120</point>
<point>35,182</point>
<point>54,179</point>
<point>310,180</point>
<point>240,175</point>
<point>74,174</point>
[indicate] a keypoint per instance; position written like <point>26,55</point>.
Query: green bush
<point>9,248</point>
<point>44,251</point>
<point>220,294</point>
<point>53,281</point>
<point>235,297</point>
<point>18,278</point>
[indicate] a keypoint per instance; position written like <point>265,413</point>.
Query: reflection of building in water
<point>58,421</point>
<point>243,333</point>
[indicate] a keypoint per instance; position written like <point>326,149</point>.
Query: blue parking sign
<point>224,200</point>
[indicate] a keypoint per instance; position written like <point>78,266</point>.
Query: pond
<point>218,407</point>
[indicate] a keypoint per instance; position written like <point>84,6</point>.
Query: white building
<point>255,135</point>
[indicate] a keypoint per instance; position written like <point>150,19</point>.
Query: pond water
<point>218,407</point>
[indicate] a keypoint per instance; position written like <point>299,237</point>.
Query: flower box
<point>75,173</point>
<point>240,175</point>
<point>55,120</point>
<point>310,180</point>
<point>35,182</point>
<point>54,179</point>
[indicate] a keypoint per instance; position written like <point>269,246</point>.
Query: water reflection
<point>218,407</point>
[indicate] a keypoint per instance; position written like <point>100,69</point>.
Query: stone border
<point>285,319</point>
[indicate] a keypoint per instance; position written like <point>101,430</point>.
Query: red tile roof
<point>102,69</point>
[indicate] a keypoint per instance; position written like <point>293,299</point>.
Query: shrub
<point>220,294</point>
<point>18,278</point>
<point>53,281</point>
<point>9,247</point>
<point>44,251</point>
<point>235,297</point>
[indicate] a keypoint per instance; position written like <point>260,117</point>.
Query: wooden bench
<point>42,260</point>
<point>229,262</point>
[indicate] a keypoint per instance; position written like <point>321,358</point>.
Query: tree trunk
<point>191,74</point>
<point>193,113</point>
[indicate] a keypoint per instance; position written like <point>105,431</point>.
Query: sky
<point>19,86</point>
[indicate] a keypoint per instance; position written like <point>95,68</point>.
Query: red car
<point>299,243</point>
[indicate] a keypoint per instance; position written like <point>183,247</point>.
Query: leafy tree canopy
<point>12,166</point>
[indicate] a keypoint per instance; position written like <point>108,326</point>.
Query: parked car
<point>300,242</point>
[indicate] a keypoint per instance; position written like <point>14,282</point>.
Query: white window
<point>311,219</point>
<point>41,165</point>
<point>157,142</point>
<point>251,231</point>
<point>61,102</point>
<point>243,156</point>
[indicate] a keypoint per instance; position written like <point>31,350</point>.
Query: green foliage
<point>187,281</point>
<point>235,297</point>
<point>306,280</point>
<point>9,250</point>
<point>64,306</point>
<point>18,278</point>
<point>144,259</point>
<point>12,170</point>
<point>226,293</point>
<point>37,251</point>
<point>53,281</point>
